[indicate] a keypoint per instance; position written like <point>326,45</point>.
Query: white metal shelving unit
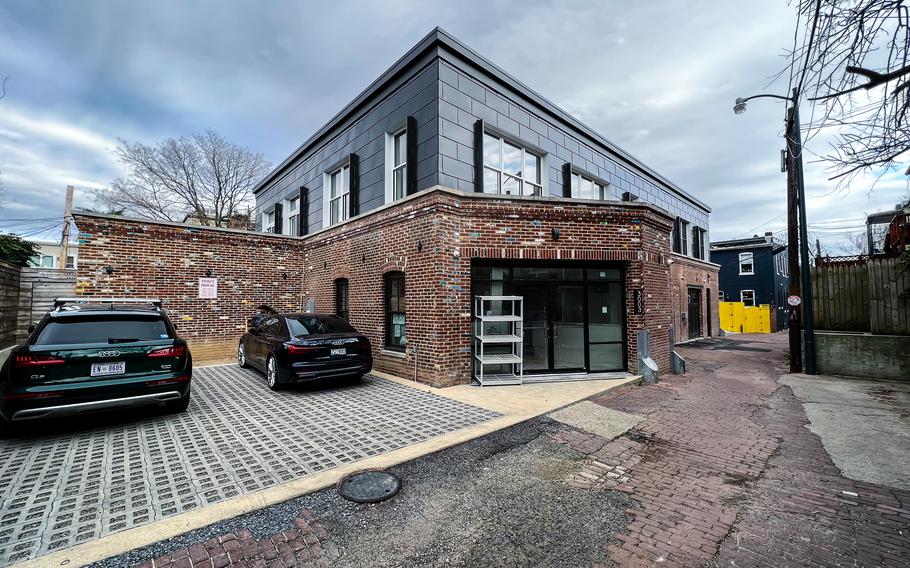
<point>510,312</point>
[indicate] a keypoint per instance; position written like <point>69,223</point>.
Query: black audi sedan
<point>295,348</point>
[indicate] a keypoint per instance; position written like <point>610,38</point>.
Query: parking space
<point>58,490</point>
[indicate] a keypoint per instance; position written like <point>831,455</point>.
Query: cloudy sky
<point>659,78</point>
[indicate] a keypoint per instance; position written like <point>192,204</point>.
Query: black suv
<point>91,354</point>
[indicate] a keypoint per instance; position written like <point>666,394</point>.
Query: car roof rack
<point>60,302</point>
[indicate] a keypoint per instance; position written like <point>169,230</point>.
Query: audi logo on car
<point>108,353</point>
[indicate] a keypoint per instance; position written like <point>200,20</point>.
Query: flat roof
<point>440,38</point>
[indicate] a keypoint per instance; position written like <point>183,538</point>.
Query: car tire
<point>241,356</point>
<point>271,374</point>
<point>177,406</point>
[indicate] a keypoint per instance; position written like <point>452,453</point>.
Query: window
<point>395,311</point>
<point>103,329</point>
<point>71,262</point>
<point>509,169</point>
<point>302,326</point>
<point>586,188</point>
<point>683,237</point>
<point>720,295</point>
<point>339,188</point>
<point>747,297</point>
<point>397,168</point>
<point>745,263</point>
<point>698,243</point>
<point>47,261</point>
<point>268,222</point>
<point>293,216</point>
<point>341,299</point>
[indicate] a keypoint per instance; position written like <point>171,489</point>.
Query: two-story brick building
<point>558,214</point>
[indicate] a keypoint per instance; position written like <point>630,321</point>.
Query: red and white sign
<point>208,288</point>
<point>794,300</point>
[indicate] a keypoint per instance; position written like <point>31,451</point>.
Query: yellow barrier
<point>739,318</point>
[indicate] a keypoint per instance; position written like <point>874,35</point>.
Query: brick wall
<point>166,261</point>
<point>431,237</point>
<point>687,272</point>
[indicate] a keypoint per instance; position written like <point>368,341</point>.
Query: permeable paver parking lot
<point>58,490</point>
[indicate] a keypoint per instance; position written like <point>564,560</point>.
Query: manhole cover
<point>369,487</point>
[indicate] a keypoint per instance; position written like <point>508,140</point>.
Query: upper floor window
<point>509,169</point>
<point>341,299</point>
<point>339,194</point>
<point>71,262</point>
<point>398,164</point>
<point>395,311</point>
<point>698,243</point>
<point>681,236</point>
<point>268,222</point>
<point>47,261</point>
<point>586,188</point>
<point>293,216</point>
<point>746,265</point>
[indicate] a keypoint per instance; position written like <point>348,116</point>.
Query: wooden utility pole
<point>796,349</point>
<point>67,219</point>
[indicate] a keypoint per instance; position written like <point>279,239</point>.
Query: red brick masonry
<point>431,237</point>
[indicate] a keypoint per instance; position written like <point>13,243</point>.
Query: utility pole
<point>67,218</point>
<point>796,349</point>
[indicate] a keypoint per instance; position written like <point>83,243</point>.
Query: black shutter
<point>354,175</point>
<point>677,237</point>
<point>411,156</point>
<point>478,156</point>
<point>279,218</point>
<point>567,180</point>
<point>303,216</point>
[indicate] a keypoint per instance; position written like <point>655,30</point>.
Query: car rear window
<point>105,329</point>
<point>303,326</point>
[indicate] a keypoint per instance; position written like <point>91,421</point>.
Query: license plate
<point>104,369</point>
<point>341,351</point>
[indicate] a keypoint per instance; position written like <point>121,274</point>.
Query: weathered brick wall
<point>431,238</point>
<point>686,272</point>
<point>166,261</point>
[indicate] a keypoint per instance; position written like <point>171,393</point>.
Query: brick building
<point>444,179</point>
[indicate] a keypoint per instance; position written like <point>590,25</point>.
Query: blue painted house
<point>754,271</point>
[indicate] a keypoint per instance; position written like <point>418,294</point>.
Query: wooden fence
<point>9,303</point>
<point>861,295</point>
<point>37,289</point>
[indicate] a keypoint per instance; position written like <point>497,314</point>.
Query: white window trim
<point>752,258</point>
<point>542,165</point>
<point>684,237</point>
<point>286,224</point>
<point>606,192</point>
<point>268,227</point>
<point>327,196</point>
<point>741,299</point>
<point>390,164</point>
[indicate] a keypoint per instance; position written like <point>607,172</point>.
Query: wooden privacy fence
<point>37,289</point>
<point>861,294</point>
<point>9,303</point>
<point>739,318</point>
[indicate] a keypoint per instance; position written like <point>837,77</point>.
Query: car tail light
<point>32,395</point>
<point>175,351</point>
<point>36,360</point>
<point>301,349</point>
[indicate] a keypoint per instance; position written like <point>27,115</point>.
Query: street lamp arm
<point>767,95</point>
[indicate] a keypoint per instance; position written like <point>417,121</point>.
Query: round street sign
<point>794,300</point>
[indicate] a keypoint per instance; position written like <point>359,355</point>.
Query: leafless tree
<point>849,61</point>
<point>205,177</point>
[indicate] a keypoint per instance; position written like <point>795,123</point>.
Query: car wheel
<point>177,406</point>
<point>241,355</point>
<point>271,373</point>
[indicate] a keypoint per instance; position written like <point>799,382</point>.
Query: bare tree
<point>205,177</point>
<point>849,60</point>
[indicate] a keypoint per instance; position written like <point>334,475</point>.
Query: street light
<point>795,150</point>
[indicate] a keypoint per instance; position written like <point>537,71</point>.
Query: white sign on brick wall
<point>208,288</point>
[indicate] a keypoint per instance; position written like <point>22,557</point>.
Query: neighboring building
<point>241,221</point>
<point>49,255</point>
<point>754,271</point>
<point>888,232</point>
<point>444,116</point>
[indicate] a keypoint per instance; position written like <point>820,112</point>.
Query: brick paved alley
<point>726,474</point>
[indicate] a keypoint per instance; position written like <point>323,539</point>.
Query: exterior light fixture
<point>740,106</point>
<point>555,233</point>
<point>363,259</point>
<point>419,246</point>
<point>208,272</point>
<point>109,269</point>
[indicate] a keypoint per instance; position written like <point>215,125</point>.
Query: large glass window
<point>509,169</point>
<point>606,305</point>
<point>107,329</point>
<point>586,188</point>
<point>395,311</point>
<point>339,194</point>
<point>341,299</point>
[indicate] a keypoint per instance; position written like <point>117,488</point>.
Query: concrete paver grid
<point>237,437</point>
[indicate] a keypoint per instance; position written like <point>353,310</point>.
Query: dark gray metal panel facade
<point>415,94</point>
